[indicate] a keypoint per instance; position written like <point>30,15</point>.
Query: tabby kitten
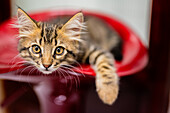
<point>50,46</point>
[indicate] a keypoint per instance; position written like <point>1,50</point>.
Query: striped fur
<point>50,46</point>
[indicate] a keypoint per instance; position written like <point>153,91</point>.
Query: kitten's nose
<point>46,65</point>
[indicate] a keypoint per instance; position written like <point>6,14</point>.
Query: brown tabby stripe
<point>105,67</point>
<point>71,52</point>
<point>55,31</point>
<point>104,62</point>
<point>31,56</point>
<point>106,76</point>
<point>24,48</point>
<point>87,59</point>
<point>42,31</point>
<point>40,41</point>
<point>108,83</point>
<point>55,42</point>
<point>94,62</point>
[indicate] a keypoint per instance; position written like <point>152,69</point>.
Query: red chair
<point>64,94</point>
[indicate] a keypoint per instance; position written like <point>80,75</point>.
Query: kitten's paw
<point>107,91</point>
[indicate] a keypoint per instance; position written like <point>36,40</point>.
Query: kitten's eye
<point>36,49</point>
<point>59,50</point>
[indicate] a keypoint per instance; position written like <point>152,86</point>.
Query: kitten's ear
<point>26,23</point>
<point>74,26</point>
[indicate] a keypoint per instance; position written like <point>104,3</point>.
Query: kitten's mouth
<point>46,71</point>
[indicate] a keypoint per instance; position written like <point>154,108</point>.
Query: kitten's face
<point>47,46</point>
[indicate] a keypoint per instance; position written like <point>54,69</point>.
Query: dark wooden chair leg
<point>159,56</point>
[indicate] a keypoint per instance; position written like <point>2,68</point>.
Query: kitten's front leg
<point>106,78</point>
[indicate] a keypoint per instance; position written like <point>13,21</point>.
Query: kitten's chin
<point>47,72</point>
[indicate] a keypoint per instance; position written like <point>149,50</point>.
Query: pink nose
<point>47,66</point>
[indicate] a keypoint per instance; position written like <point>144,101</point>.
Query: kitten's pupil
<point>58,50</point>
<point>36,48</point>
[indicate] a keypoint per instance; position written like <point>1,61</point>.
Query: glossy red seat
<point>135,55</point>
<point>134,52</point>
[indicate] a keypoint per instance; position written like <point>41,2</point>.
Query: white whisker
<point>77,81</point>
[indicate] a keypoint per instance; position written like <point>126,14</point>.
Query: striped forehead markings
<point>55,41</point>
<point>42,31</point>
<point>48,32</point>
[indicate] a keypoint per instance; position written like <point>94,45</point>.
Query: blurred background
<point>134,13</point>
